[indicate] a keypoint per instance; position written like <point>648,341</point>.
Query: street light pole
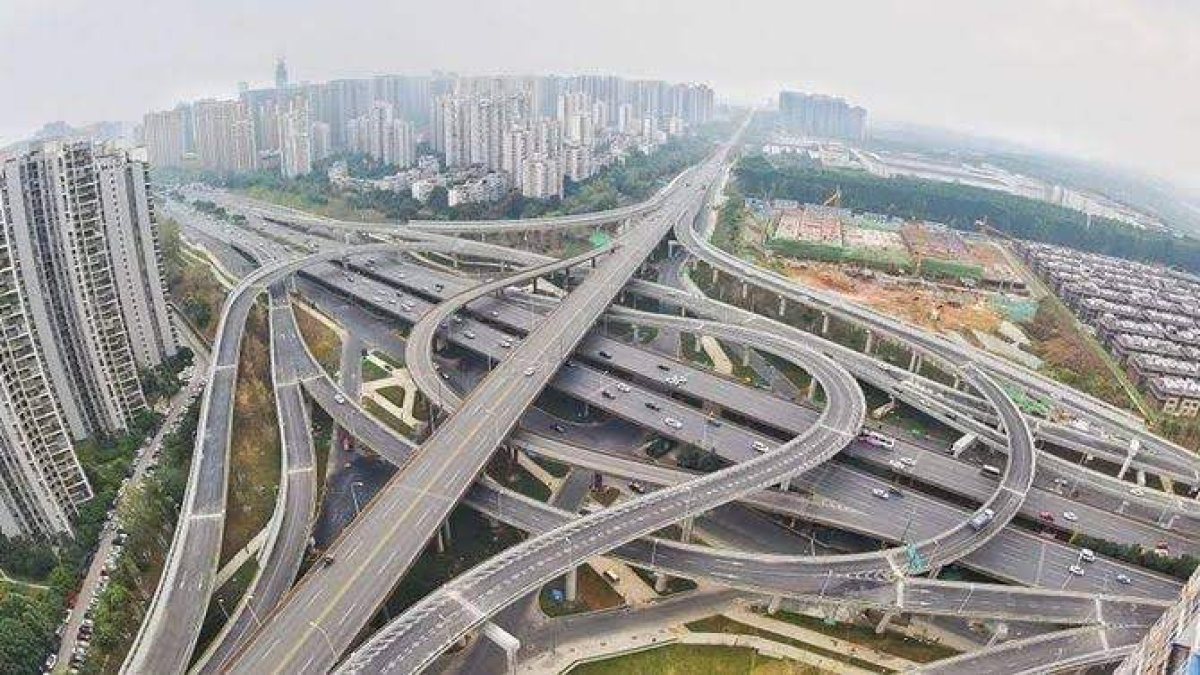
<point>354,496</point>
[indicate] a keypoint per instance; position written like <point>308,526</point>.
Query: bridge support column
<point>811,392</point>
<point>824,323</point>
<point>715,275</point>
<point>782,305</point>
<point>914,362</point>
<point>686,526</point>
<point>745,290</point>
<point>883,623</point>
<point>637,335</point>
<point>785,484</point>
<point>773,605</point>
<point>572,584</point>
<point>504,640</point>
<point>745,357</point>
<point>870,346</point>
<point>957,383</point>
<point>441,541</point>
<point>660,582</point>
<point>1141,477</point>
<point>998,634</point>
<point>1134,446</point>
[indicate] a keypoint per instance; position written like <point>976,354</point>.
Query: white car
<point>1070,516</point>
<point>624,388</point>
<point>1124,579</point>
<point>339,398</point>
<point>1076,570</point>
<point>881,493</point>
<point>506,344</point>
<point>469,334</point>
<point>1137,491</point>
<point>908,461</point>
<point>759,446</point>
<point>530,371</point>
<point>672,422</point>
<point>895,464</point>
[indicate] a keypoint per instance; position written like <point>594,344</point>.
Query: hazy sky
<point>1117,80</point>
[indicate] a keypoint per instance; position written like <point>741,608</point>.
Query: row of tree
<point>1180,567</point>
<point>962,206</point>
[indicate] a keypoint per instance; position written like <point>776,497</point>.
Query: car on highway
<point>637,486</point>
<point>469,334</point>
<point>877,439</point>
<point>529,371</point>
<point>897,465</point>
<point>1124,579</point>
<point>559,428</point>
<point>881,493</point>
<point>1076,570</point>
<point>1070,516</point>
<point>603,354</point>
<point>672,422</point>
<point>664,367</point>
<point>981,519</point>
<point>607,394</point>
<point>506,344</point>
<point>494,314</point>
<point>612,576</point>
<point>339,398</point>
<point>1137,491</point>
<point>989,470</point>
<point>1087,555</point>
<point>908,461</point>
<point>653,406</point>
<point>1046,516</point>
<point>624,388</point>
<point>759,446</point>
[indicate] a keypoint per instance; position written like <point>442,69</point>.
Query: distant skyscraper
<point>821,116</point>
<point>295,143</point>
<point>382,136</point>
<point>225,136</point>
<point>165,137</point>
<point>281,75</point>
<point>321,139</point>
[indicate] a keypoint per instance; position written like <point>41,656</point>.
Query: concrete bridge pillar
<point>637,335</point>
<point>715,275</point>
<point>785,484</point>
<point>1134,446</point>
<point>782,305</point>
<point>773,605</point>
<point>686,526</point>
<point>745,357</point>
<point>572,584</point>
<point>914,362</point>
<point>824,323</point>
<point>811,392</point>
<point>870,346</point>
<point>745,290</point>
<point>998,634</point>
<point>660,582</point>
<point>883,623</point>
<point>504,640</point>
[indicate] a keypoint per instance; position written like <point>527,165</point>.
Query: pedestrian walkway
<point>721,362</point>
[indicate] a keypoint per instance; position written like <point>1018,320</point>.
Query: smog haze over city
<point>580,338</point>
<point>1103,79</point>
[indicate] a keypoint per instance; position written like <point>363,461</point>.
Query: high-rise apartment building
<point>225,136</point>
<point>165,136</point>
<point>383,136</point>
<point>82,305</point>
<point>295,142</point>
<point>821,116</point>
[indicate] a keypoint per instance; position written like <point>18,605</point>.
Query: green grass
<point>693,660</point>
<point>388,359</point>
<point>887,642</point>
<point>225,599</point>
<point>388,418</point>
<point>372,371</point>
<point>556,469</point>
<point>515,477</point>
<point>674,584</point>
<point>723,624</point>
<point>395,395</point>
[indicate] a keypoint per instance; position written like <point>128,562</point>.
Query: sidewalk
<point>820,640</point>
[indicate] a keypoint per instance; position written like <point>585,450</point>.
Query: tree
<point>439,198</point>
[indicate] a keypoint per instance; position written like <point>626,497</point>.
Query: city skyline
<point>1036,80</point>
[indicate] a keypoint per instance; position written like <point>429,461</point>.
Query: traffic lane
<point>1043,653</point>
